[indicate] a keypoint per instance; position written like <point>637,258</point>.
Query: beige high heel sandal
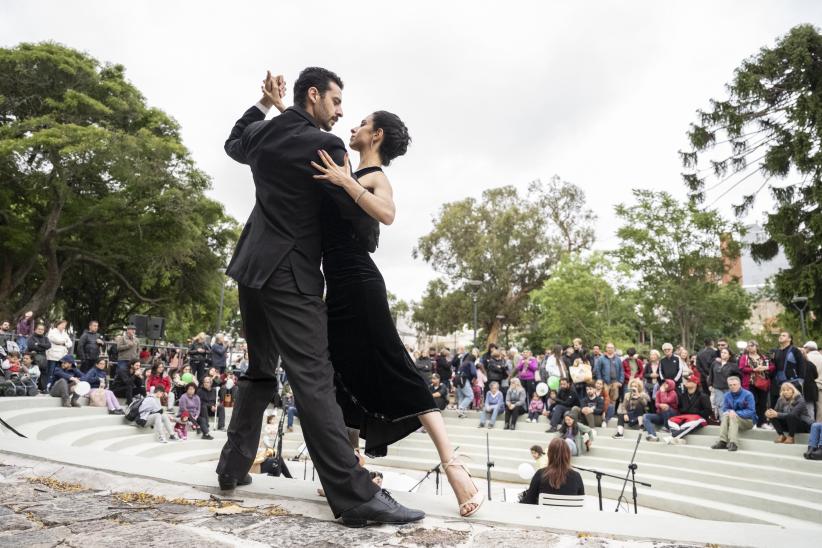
<point>477,498</point>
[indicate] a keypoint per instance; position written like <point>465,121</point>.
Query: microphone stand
<point>631,472</point>
<point>488,464</point>
<point>599,476</point>
<point>436,471</point>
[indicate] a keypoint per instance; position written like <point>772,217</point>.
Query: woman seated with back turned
<point>557,478</point>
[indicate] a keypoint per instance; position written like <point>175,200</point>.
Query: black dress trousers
<point>279,320</point>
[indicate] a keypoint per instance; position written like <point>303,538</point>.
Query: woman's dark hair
<point>157,363</point>
<point>104,360</point>
<point>559,463</point>
<point>538,450</point>
<point>631,351</point>
<point>395,138</point>
<point>191,385</point>
<point>313,77</point>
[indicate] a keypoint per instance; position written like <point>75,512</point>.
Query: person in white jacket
<point>152,415</point>
<point>60,346</point>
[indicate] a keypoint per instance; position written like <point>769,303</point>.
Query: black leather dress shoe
<point>227,483</point>
<point>380,509</point>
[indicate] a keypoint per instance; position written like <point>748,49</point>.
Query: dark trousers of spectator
<point>633,418</point>
<point>441,402</point>
<point>790,426</point>
<point>197,369</point>
<point>530,387</point>
<point>557,413</point>
<point>206,413</point>
<point>126,384</point>
<point>591,419</point>
<point>87,365</point>
<point>60,389</point>
<point>280,321</point>
<point>511,416</point>
<point>50,365</point>
<point>761,401</point>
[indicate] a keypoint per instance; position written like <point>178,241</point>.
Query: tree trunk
<point>493,333</point>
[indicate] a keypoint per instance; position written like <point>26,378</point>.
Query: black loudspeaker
<point>141,323</point>
<point>156,327</point>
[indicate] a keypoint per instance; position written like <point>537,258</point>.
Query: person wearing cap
<point>738,414</point>
<point>814,356</point>
<point>63,380</point>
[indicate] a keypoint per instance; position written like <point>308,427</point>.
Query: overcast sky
<point>493,93</point>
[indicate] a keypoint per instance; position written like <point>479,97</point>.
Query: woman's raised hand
<point>331,172</point>
<point>273,89</point>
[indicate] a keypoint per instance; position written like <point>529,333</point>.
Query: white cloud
<point>493,93</point>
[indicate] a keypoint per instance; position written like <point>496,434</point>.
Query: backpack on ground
<point>7,389</point>
<point>31,387</point>
<point>133,411</point>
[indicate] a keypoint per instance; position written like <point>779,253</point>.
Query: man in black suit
<point>277,268</point>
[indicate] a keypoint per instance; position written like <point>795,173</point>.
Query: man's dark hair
<point>313,77</point>
<point>709,342</point>
<point>395,138</point>
<point>631,351</point>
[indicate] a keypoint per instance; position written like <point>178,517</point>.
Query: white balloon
<point>526,471</point>
<point>82,388</point>
<point>542,389</point>
<point>229,384</point>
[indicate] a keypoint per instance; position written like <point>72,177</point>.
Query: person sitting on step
<point>539,456</point>
<point>514,404</point>
<point>575,434</point>
<point>190,402</point>
<point>558,478</point>
<point>633,407</point>
<point>494,403</point>
<point>100,396</point>
<point>814,451</point>
<point>210,406</point>
<point>566,400</point>
<point>738,413</point>
<point>591,408</point>
<point>63,380</point>
<point>152,416</point>
<point>791,415</point>
<point>535,408</point>
<point>667,406</point>
<point>694,411</point>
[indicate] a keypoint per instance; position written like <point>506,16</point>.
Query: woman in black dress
<point>379,389</point>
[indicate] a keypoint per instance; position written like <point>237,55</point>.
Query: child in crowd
<point>535,408</point>
<point>181,425</point>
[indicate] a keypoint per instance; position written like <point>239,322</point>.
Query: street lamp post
<point>501,318</point>
<point>474,285</point>
<point>222,298</point>
<point>800,303</point>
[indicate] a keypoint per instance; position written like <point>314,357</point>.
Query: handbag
<point>761,382</point>
<point>581,373</point>
<point>97,397</point>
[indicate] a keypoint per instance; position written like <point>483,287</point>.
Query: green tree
<point>509,242</point>
<point>768,133</point>
<point>103,210</point>
<point>578,300</point>
<point>441,311</point>
<point>398,307</point>
<point>675,251</point>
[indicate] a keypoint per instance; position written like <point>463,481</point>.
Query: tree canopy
<point>508,241</point>
<point>102,210</point>
<point>768,133</point>
<point>675,252</point>
<point>580,300</point>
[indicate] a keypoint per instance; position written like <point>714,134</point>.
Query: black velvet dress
<point>378,388</point>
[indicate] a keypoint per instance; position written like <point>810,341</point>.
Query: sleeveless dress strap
<point>366,171</point>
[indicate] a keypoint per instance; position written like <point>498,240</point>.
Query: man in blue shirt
<point>738,414</point>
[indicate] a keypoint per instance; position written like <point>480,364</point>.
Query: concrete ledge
<point>567,521</point>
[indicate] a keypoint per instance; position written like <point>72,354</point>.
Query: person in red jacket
<point>667,406</point>
<point>158,377</point>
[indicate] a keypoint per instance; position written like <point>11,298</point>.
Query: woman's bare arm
<point>379,205</point>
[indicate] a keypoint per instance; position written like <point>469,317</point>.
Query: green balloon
<point>553,383</point>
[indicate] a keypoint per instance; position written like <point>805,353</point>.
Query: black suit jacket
<point>285,224</point>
